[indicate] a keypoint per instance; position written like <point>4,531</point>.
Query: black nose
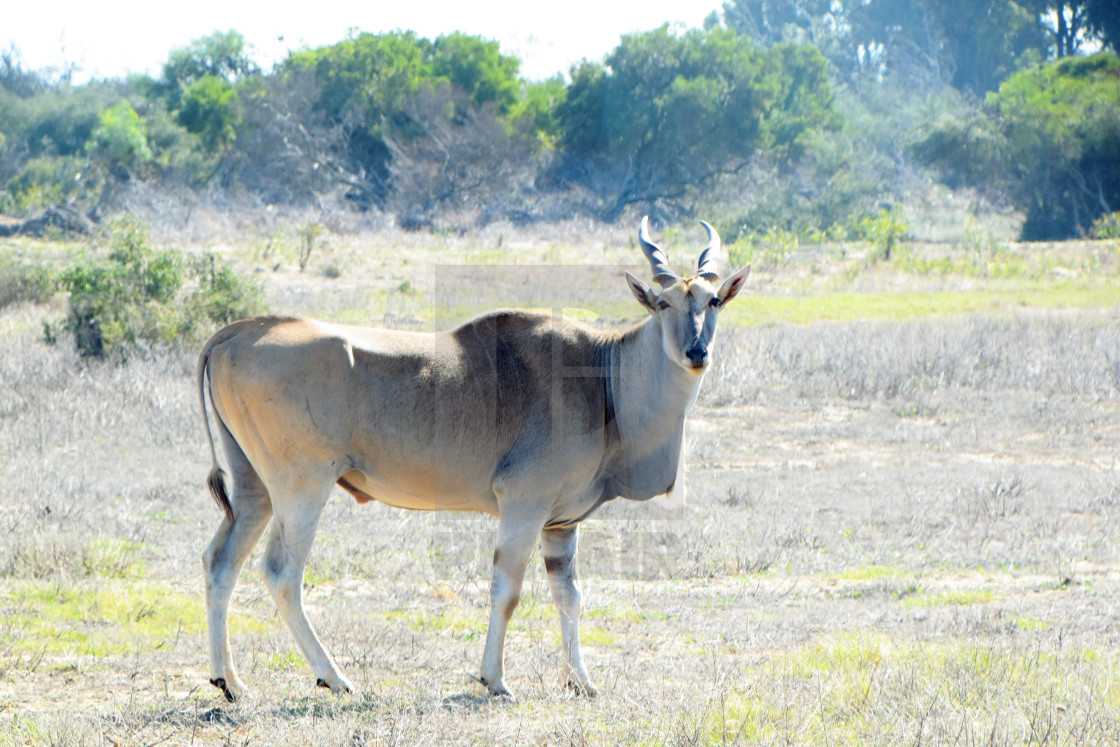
<point>697,354</point>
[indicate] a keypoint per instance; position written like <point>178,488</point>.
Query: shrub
<point>120,136</point>
<point>882,231</point>
<point>210,108</point>
<point>308,236</point>
<point>222,296</point>
<point>133,296</point>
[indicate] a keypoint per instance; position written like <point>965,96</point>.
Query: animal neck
<point>651,396</point>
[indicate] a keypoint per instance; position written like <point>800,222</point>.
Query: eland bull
<point>531,418</point>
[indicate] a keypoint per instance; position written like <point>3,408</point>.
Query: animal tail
<point>214,481</point>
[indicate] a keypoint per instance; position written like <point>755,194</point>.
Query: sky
<point>115,37</point>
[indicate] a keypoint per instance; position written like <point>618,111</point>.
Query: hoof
<point>232,695</point>
<point>497,689</point>
<point>342,688</point>
<point>588,690</point>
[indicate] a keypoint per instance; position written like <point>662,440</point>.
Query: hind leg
<point>289,544</point>
<point>224,558</point>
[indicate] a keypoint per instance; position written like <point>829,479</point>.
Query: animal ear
<point>645,295</point>
<point>732,285</point>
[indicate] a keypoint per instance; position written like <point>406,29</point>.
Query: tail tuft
<point>218,489</point>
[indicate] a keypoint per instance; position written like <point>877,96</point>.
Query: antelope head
<point>686,308</point>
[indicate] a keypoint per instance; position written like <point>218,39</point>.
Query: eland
<point>535,419</point>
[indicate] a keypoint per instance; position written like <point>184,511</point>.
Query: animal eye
<point>663,304</point>
<point>714,303</point>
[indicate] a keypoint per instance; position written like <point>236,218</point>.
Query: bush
<point>883,231</point>
<point>120,136</point>
<point>132,297</point>
<point>222,296</point>
<point>210,108</point>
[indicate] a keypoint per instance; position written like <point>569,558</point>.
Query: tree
<point>770,22</point>
<point>285,150</point>
<point>1051,138</point>
<point>219,55</point>
<point>463,158</point>
<point>1104,19</point>
<point>17,80</point>
<point>666,114</point>
<point>478,69</point>
<point>969,44</point>
<point>120,136</point>
<point>536,109</point>
<point>371,84</point>
<point>822,23</point>
<point>209,108</point>
<point>1078,26</point>
<point>371,75</point>
<point>360,83</point>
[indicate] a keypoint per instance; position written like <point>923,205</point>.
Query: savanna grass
<point>897,532</point>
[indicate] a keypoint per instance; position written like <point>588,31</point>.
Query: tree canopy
<point>666,113</point>
<point>1050,136</point>
<point>793,114</point>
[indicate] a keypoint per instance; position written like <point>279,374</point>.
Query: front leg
<point>558,546</point>
<point>516,537</point>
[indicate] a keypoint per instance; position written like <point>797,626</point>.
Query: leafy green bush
<point>222,296</point>
<point>120,136</point>
<point>132,296</point>
<point>883,231</point>
<point>209,108</point>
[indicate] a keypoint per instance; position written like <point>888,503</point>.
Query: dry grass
<point>897,532</point>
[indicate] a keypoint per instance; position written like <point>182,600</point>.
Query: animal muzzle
<point>697,355</point>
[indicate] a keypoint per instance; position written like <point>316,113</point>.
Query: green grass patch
<point>871,573</point>
<point>854,688</point>
<point>628,615</point>
<point>754,309</point>
<point>1022,622</point>
<point>841,652</point>
<point>287,660</point>
<point>456,620</point>
<point>110,617</point>
<point>949,597</point>
<point>113,558</point>
<point>592,635</point>
<point>997,298</point>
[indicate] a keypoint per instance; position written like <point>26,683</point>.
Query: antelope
<point>535,419</point>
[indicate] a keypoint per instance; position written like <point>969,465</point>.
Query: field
<point>902,522</point>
